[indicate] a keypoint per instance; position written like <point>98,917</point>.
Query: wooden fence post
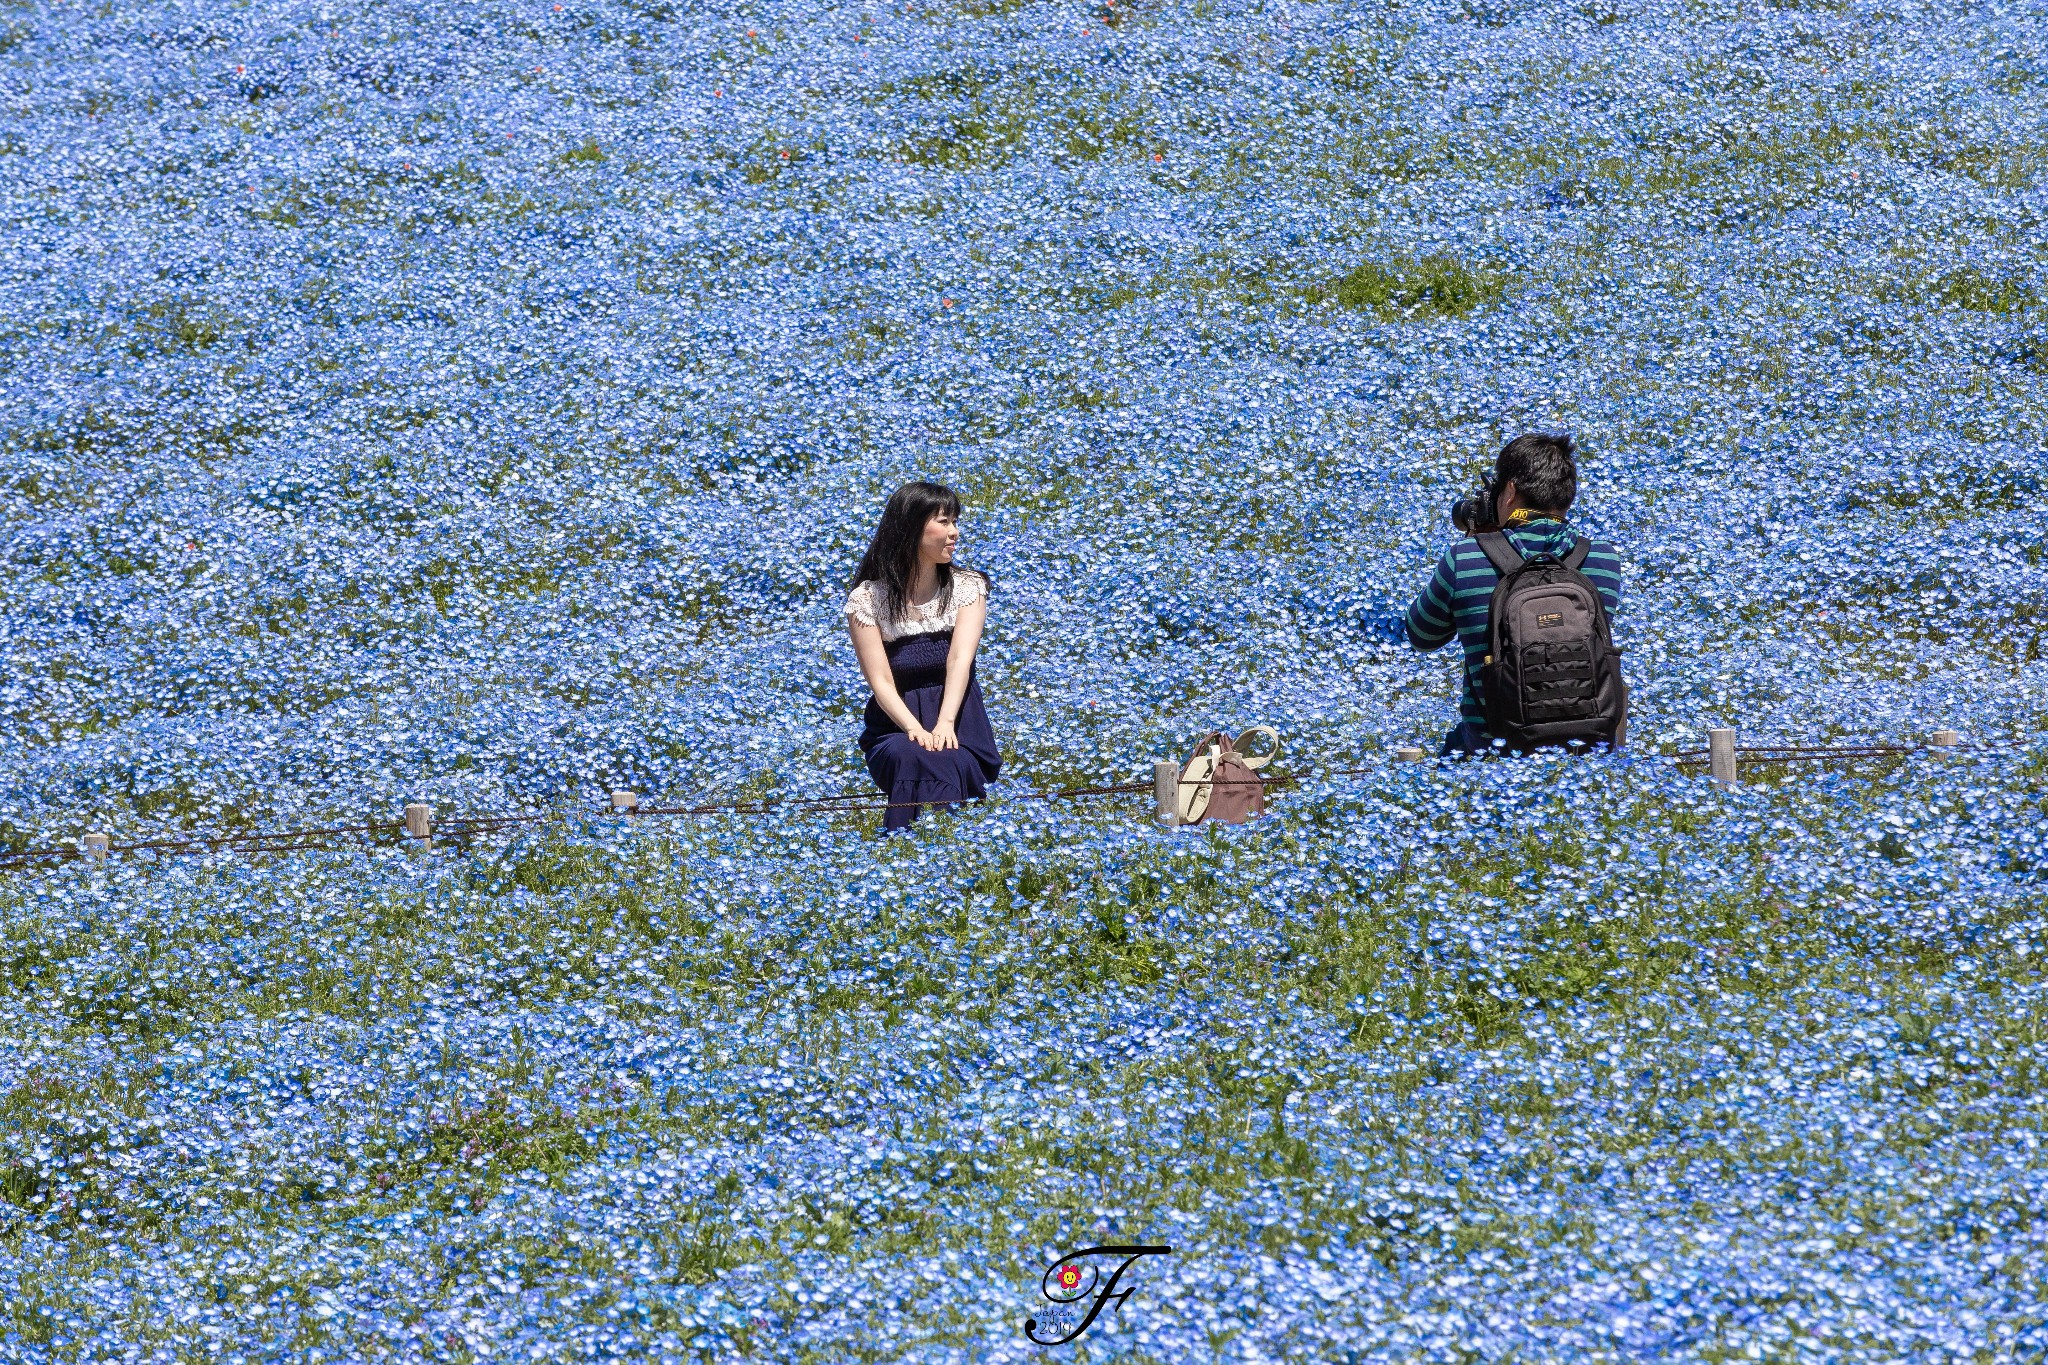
<point>419,822</point>
<point>1409,753</point>
<point>1166,791</point>
<point>1946,739</point>
<point>1721,756</point>
<point>96,847</point>
<point>625,803</point>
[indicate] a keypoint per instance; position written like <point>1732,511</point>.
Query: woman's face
<point>941,534</point>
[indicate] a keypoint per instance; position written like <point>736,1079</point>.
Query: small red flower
<point>1070,1277</point>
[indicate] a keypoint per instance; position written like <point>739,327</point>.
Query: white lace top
<point>866,604</point>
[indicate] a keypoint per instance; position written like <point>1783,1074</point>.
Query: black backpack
<point>1552,673</point>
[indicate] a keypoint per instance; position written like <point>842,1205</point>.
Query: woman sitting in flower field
<point>916,621</point>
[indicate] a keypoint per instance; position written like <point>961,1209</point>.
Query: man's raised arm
<point>1429,621</point>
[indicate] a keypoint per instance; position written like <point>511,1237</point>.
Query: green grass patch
<point>1408,289</point>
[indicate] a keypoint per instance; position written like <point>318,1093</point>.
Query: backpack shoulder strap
<point>1506,558</point>
<point>1576,559</point>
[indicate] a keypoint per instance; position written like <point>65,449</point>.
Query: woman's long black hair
<point>891,560</point>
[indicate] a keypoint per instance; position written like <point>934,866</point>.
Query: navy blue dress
<point>913,776</point>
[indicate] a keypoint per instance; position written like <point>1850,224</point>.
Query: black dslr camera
<point>1480,511</point>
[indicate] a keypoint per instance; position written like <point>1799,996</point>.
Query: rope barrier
<point>1701,758</point>
<point>459,827</point>
<point>463,827</point>
<point>1799,753</point>
<point>280,841</point>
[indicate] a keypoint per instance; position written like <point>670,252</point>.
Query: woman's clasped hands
<point>939,737</point>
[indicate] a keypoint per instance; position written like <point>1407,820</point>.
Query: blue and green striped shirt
<point>1460,594</point>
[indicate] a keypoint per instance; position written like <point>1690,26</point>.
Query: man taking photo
<point>1529,600</point>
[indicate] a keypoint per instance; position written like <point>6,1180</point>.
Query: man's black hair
<point>1546,477</point>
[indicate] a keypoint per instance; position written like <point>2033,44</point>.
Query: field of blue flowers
<point>484,404</point>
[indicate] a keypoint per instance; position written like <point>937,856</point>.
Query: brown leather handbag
<point>1220,780</point>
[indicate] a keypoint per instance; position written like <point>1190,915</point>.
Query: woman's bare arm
<point>874,666</point>
<point>967,626</point>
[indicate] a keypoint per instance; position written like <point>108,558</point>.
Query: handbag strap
<point>1243,742</point>
<point>1196,785</point>
<point>1214,740</point>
